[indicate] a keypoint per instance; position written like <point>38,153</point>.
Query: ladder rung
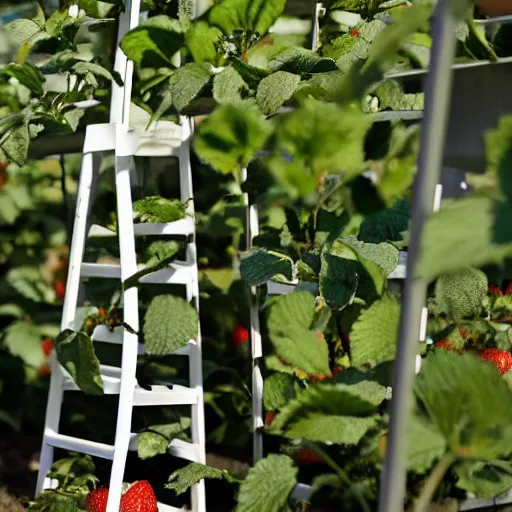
<point>177,273</point>
<point>156,395</point>
<point>103,334</point>
<point>162,395</point>
<point>162,507</point>
<point>183,450</point>
<point>183,227</point>
<point>74,444</point>
<point>274,288</point>
<point>177,448</point>
<point>302,492</point>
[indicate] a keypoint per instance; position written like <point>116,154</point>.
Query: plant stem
<point>342,475</point>
<point>433,481</point>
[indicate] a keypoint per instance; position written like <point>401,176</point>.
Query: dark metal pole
<point>433,133</point>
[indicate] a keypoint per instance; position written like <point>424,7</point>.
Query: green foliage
<point>187,82</point>
<point>274,90</point>
<point>259,266</point>
<point>155,440</point>
<point>279,389</point>
<point>460,235</point>
<point>158,209</point>
<point>30,349</point>
<point>290,321</point>
<point>230,137</point>
<point>182,479</point>
<point>336,413</point>
<point>268,485</point>
<point>170,323</point>
<point>75,352</point>
<point>466,400</point>
<point>374,334</point>
<point>461,294</point>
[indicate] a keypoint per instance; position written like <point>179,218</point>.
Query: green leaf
<point>483,480</point>
<point>182,479</point>
<point>29,282</point>
<point>251,74</point>
<point>345,273</point>
<point>75,352</point>
<point>343,413</point>
<point>425,444</point>
<point>27,75</point>
<point>373,336</point>
<point>187,82</point>
<point>229,86</point>
<point>323,137</point>
<point>22,31</point>
<point>160,250</point>
<point>461,294</point>
<point>16,144</point>
<point>73,117</point>
<point>460,235</point>
<point>331,429</point>
<point>278,390</point>
<point>256,15</point>
<point>387,225</point>
<point>229,138</point>
<point>170,323</point>
<point>24,340</point>
<point>261,265</point>
<point>156,209</point>
<point>153,44</point>
<point>275,90</point>
<point>268,485</point>
<point>84,68</point>
<point>155,440</point>
<point>468,402</point>
<point>300,61</point>
<point>289,322</point>
<point>96,8</point>
<point>201,40</point>
<point>385,255</point>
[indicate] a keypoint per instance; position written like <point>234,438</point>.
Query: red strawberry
<point>354,32</point>
<point>508,289</point>
<point>336,370</point>
<point>307,457</point>
<point>97,500</point>
<point>240,336</point>
<point>269,418</point>
<point>47,346</point>
<point>494,290</point>
<point>44,371</point>
<point>3,174</point>
<point>446,345</point>
<point>502,359</point>
<point>140,497</point>
<point>60,289</point>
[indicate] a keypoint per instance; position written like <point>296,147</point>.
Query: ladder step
<point>156,395</point>
<point>104,451</point>
<point>185,227</point>
<point>162,395</point>
<point>177,448</point>
<point>103,334</point>
<point>178,272</point>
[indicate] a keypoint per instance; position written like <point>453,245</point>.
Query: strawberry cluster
<point>139,497</point>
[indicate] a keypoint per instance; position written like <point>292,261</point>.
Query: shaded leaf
<point>261,265</point>
<point>274,90</point>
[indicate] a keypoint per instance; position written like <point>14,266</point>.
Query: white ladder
<point>127,142</point>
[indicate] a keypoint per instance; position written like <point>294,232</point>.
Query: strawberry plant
<point>333,187</point>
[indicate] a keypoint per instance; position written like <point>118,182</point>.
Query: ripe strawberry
<point>3,174</point>
<point>307,457</point>
<point>354,32</point>
<point>240,336</point>
<point>502,359</point>
<point>60,289</point>
<point>140,497</point>
<point>97,500</point>
<point>269,418</point>
<point>47,346</point>
<point>508,290</point>
<point>494,290</point>
<point>445,345</point>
